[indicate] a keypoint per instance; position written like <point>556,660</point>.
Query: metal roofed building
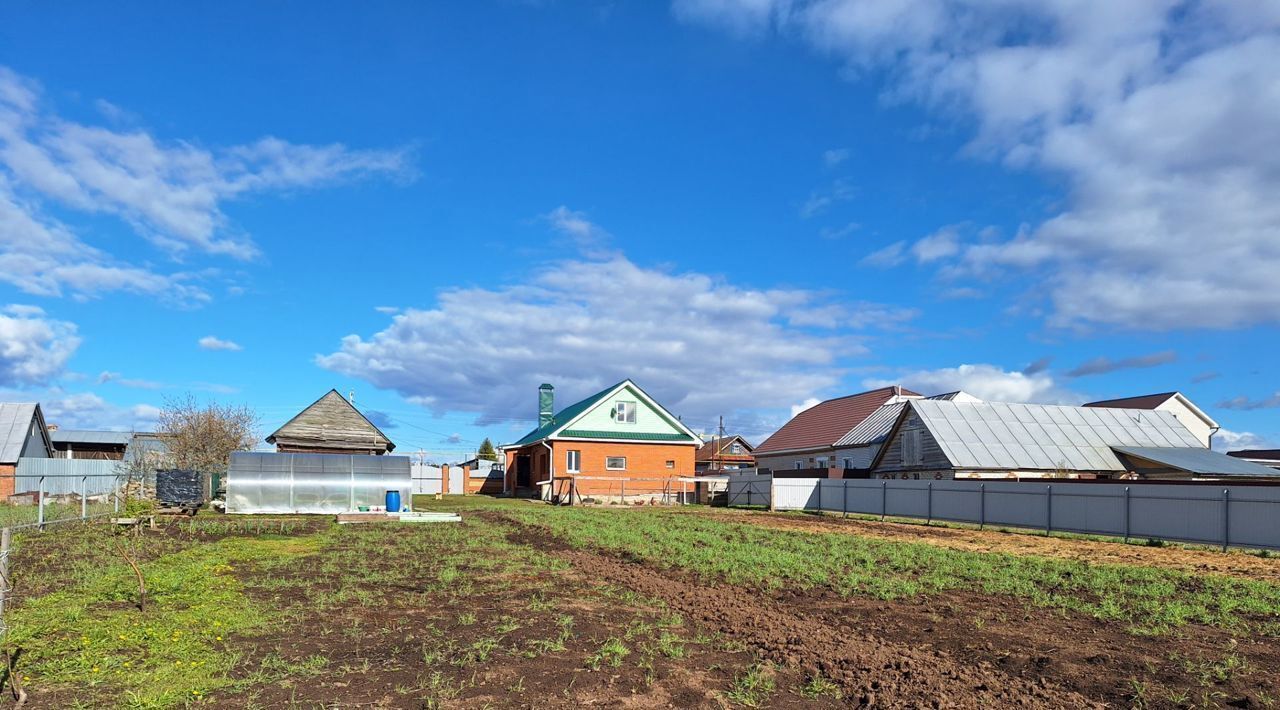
<point>86,444</point>
<point>945,439</point>
<point>23,434</point>
<point>812,439</point>
<point>1262,457</point>
<point>1193,417</point>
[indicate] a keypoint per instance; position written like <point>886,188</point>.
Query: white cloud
<point>1271,401</point>
<point>834,233</point>
<point>33,349</point>
<point>835,156</point>
<point>942,243</point>
<point>701,346</point>
<point>574,224</point>
<point>818,202</point>
<point>1227,440</point>
<point>807,404</point>
<point>1157,116</point>
<point>171,193</point>
<point>891,255</point>
<point>86,410</point>
<point>988,382</point>
<point>210,342</point>
<point>107,376</point>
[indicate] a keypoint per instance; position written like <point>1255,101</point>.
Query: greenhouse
<point>314,483</point>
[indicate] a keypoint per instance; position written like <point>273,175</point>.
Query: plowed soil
<point>962,649</point>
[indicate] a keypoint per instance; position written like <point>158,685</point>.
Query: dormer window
<point>735,449</point>
<point>624,412</point>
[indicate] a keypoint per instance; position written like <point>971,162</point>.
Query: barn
<point>331,425</point>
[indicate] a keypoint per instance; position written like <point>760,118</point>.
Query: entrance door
<point>524,465</point>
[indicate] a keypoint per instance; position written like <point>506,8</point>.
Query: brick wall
<point>644,461</point>
<point>7,472</point>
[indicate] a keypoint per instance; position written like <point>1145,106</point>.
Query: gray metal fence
<point>61,497</point>
<point>314,483</point>
<point>1224,515</point>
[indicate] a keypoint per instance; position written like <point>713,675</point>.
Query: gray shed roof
<point>1045,437</point>
<point>875,428</point>
<point>1199,460</point>
<point>85,436</point>
<point>15,427</point>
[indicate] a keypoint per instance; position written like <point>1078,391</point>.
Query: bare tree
<point>202,436</point>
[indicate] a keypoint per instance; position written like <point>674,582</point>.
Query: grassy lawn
<point>271,612</point>
<point>1149,600</point>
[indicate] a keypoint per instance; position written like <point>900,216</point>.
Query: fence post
<point>982,505</point>
<point>1126,514</point>
<point>884,498</point>
<point>1048,509</point>
<point>928,516</point>
<point>1226,519</point>
<point>844,502</point>
<point>40,505</point>
<point>84,497</point>
<point>6,537</point>
<point>773,496</point>
<point>624,490</point>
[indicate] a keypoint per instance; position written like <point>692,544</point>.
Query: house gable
<point>331,422</point>
<point>911,446</point>
<point>601,420</point>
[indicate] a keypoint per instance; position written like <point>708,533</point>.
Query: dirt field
<point>523,605</point>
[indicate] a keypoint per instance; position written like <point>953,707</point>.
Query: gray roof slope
<point>1199,460</point>
<point>333,422</point>
<point>1044,436</point>
<point>15,426</point>
<point>85,436</point>
<point>875,428</point>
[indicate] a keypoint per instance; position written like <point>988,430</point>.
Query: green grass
<point>1145,599</point>
<point>91,635</point>
<point>753,686</point>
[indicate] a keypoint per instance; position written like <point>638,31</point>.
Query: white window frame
<point>573,461</point>
<point>799,465</point>
<point>735,448</point>
<point>609,466</point>
<point>624,412</point>
<point>848,463</point>
<point>820,462</point>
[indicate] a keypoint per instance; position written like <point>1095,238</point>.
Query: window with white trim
<point>624,412</point>
<point>572,461</point>
<point>799,465</point>
<point>671,464</point>
<point>848,464</point>
<point>735,448</point>
<point>615,463</point>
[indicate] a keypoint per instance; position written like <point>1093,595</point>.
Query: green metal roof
<point>565,415</point>
<point>637,436</point>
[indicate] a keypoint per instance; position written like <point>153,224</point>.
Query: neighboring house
<point>1194,418</point>
<point>945,439</point>
<point>1263,457</point>
<point>23,434</point>
<point>331,425</point>
<point>85,444</point>
<point>619,432</point>
<point>822,435</point>
<point>727,452</point>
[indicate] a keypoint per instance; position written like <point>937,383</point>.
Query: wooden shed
<point>331,425</point>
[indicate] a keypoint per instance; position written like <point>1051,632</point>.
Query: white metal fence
<point>1225,515</point>
<point>426,478</point>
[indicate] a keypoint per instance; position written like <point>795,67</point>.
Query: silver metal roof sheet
<point>1199,460</point>
<point>85,436</point>
<point>15,426</point>
<point>1045,436</point>
<point>874,428</point>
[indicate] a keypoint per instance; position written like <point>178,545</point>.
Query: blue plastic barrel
<point>393,501</point>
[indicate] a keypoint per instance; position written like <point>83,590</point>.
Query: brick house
<point>824,436</point>
<point>23,434</point>
<point>726,452</point>
<point>615,434</point>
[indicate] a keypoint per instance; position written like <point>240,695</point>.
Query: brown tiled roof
<point>709,449</point>
<point>825,423</point>
<point>1146,401</point>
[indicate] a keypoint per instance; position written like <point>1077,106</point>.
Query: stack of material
<point>349,518</point>
<point>180,487</point>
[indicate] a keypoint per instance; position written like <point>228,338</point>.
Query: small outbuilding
<point>331,425</point>
<point>23,435</point>
<point>92,445</point>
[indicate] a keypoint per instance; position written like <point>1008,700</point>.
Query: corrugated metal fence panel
<point>313,483</point>
<point>426,479</point>
<point>65,476</point>
<point>1238,516</point>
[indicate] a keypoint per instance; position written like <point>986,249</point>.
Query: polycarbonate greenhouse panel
<point>314,483</point>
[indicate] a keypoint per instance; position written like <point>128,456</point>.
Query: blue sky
<point>743,205</point>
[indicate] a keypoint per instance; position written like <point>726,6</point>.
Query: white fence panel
<point>426,479</point>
